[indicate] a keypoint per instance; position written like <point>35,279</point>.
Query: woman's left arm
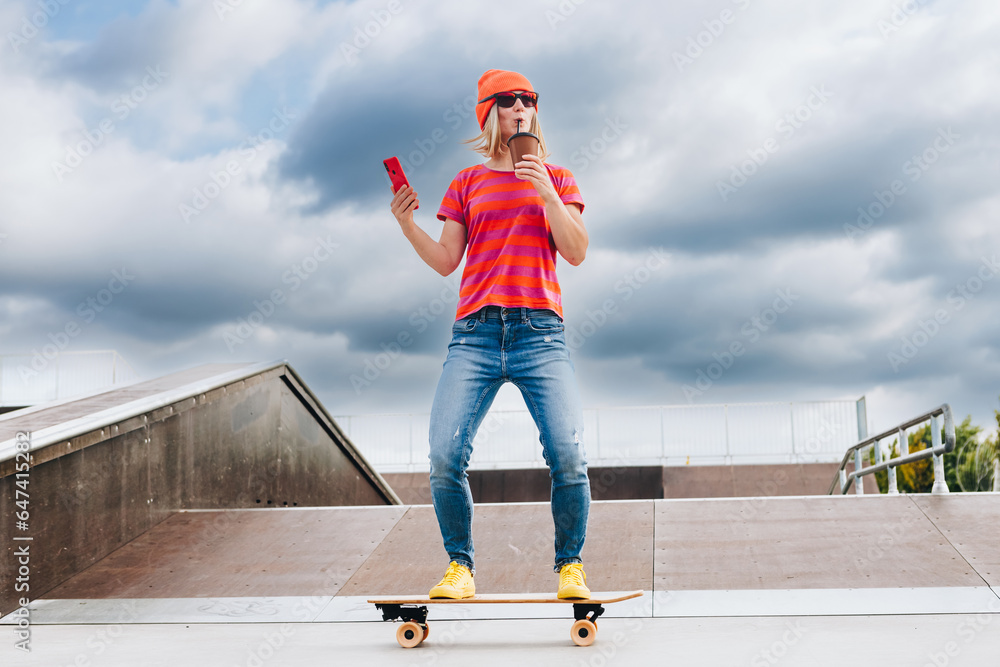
<point>565,221</point>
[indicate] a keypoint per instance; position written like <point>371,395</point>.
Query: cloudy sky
<point>786,201</point>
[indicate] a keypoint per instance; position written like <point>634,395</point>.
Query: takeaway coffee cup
<point>521,143</point>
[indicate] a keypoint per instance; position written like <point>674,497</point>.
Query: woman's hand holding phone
<point>396,176</point>
<point>404,203</point>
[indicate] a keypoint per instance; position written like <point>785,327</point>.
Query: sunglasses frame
<point>517,96</point>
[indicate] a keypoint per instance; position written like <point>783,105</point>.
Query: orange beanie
<point>497,81</point>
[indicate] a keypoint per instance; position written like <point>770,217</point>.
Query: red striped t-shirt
<point>510,254</point>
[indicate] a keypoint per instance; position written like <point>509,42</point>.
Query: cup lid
<point>522,134</point>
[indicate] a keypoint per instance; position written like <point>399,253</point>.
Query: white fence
<point>744,433</point>
<point>30,379</point>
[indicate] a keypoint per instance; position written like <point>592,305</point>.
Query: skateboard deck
<point>413,612</point>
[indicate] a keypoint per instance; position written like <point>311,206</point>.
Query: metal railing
<point>671,435</point>
<point>50,375</point>
<point>937,450</point>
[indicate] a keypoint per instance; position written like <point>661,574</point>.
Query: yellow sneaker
<point>457,584</point>
<point>573,582</point>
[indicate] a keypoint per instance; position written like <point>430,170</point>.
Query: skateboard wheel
<point>410,634</point>
<point>427,631</point>
<point>584,632</point>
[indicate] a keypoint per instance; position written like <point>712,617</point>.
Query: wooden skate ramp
<point>803,543</point>
<point>109,467</point>
<point>239,553</point>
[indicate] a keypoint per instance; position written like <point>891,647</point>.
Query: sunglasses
<point>507,100</point>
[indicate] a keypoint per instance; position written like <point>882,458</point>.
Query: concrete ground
<point>910,640</point>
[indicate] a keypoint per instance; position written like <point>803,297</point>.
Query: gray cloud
<point>648,143</point>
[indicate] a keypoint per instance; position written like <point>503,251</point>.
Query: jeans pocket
<point>546,323</point>
<point>466,325</point>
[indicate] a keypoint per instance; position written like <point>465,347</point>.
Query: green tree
<point>916,477</point>
<point>996,453</point>
<point>974,463</point>
<point>962,466</point>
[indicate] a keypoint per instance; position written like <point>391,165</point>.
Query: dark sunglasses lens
<point>507,100</point>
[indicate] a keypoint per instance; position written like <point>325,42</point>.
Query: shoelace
<point>573,575</point>
<point>453,575</point>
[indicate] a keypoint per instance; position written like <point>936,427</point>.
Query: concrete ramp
<point>107,468</point>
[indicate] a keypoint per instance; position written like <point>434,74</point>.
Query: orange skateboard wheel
<point>410,634</point>
<point>584,632</point>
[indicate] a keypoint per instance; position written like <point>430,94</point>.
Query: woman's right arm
<point>443,256</point>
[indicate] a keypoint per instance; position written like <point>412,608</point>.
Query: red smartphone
<point>396,175</point>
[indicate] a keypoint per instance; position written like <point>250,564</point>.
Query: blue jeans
<point>528,348</point>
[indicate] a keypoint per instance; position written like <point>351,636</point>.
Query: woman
<point>512,218</point>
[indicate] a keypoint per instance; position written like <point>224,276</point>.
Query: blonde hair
<point>489,142</point>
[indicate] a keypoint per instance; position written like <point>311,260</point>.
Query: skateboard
<point>413,612</point>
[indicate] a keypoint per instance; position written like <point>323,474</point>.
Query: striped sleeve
<point>452,205</point>
<point>565,185</point>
